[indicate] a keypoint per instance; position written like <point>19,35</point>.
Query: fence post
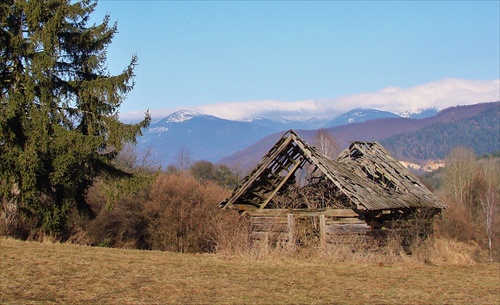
<point>291,231</point>
<point>322,231</point>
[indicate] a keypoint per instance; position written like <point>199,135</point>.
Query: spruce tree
<point>59,125</point>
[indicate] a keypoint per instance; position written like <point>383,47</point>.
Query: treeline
<point>470,186</point>
<point>176,209</point>
<point>171,210</point>
<point>479,132</point>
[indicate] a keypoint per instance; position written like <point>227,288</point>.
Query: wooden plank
<point>334,221</point>
<point>268,220</point>
<point>347,228</point>
<point>305,213</point>
<point>242,207</point>
<point>271,228</point>
<point>267,212</point>
<point>340,213</point>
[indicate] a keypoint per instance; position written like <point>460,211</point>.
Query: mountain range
<point>241,144</point>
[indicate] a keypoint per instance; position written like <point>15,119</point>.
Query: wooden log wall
<point>292,228</point>
<point>305,227</point>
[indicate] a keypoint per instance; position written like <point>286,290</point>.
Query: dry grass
<point>47,273</point>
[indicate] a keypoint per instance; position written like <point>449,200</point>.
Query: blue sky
<point>196,54</point>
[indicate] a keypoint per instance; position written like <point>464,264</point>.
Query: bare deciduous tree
<point>459,176</point>
<point>131,160</point>
<point>326,144</point>
<point>184,159</point>
<point>488,187</point>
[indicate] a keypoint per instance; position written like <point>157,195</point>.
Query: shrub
<point>123,226</point>
<point>182,214</point>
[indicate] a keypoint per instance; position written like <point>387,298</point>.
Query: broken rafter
<point>365,173</point>
<point>263,165</point>
<point>278,187</point>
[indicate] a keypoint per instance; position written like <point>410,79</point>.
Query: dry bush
<point>456,227</point>
<point>232,235</point>
<point>174,213</point>
<point>117,203</point>
<point>456,222</point>
<point>347,248</point>
<point>431,251</point>
<point>124,226</point>
<point>353,248</point>
<point>182,214</point>
<point>428,251</point>
<point>274,239</point>
<point>439,251</point>
<point>119,221</point>
<point>407,244</point>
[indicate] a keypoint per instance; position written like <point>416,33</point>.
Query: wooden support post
<point>291,231</point>
<point>265,243</point>
<point>322,231</point>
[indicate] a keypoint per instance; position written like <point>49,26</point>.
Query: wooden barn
<point>296,195</point>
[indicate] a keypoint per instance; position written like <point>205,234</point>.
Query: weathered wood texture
<point>364,193</point>
<point>365,173</point>
<point>294,226</point>
<point>266,180</point>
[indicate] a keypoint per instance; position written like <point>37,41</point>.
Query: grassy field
<point>47,273</point>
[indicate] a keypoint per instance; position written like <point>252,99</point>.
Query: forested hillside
<point>480,132</point>
<point>414,140</point>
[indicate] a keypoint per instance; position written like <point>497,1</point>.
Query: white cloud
<point>264,108</point>
<point>439,94</point>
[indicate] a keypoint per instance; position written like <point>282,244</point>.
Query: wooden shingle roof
<point>365,173</point>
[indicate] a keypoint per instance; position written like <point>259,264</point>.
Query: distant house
<point>364,192</point>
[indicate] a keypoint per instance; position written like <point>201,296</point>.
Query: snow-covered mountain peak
<point>181,116</point>
<point>357,114</point>
<point>248,119</point>
<point>417,112</point>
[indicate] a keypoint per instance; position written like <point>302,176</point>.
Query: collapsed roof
<point>365,173</point>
